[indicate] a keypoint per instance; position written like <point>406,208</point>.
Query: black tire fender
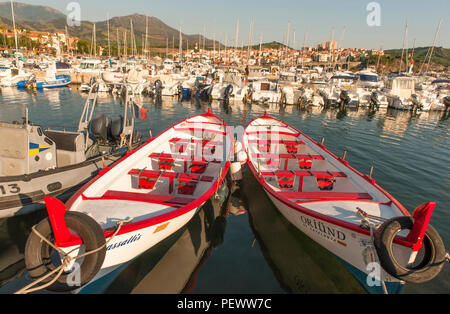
<point>38,253</point>
<point>433,258</point>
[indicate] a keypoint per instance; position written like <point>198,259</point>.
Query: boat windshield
<point>88,65</point>
<point>368,78</point>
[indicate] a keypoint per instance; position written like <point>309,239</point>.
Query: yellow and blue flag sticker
<point>37,148</point>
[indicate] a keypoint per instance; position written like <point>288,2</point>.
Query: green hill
<point>441,56</point>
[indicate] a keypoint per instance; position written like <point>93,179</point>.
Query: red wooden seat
<point>304,173</point>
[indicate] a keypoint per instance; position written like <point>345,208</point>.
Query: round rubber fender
<point>433,256</point>
<point>38,259</point>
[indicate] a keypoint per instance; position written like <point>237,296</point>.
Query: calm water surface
<point>258,251</point>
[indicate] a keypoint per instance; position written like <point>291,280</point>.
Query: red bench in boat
<point>305,161</point>
<point>285,178</point>
<point>166,162</point>
<point>180,144</point>
<point>264,145</point>
<point>147,179</point>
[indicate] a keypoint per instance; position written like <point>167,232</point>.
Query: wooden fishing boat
<point>343,210</point>
<point>152,191</point>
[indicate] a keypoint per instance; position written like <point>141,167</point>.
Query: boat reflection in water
<point>299,264</point>
<point>14,232</point>
<point>170,267</point>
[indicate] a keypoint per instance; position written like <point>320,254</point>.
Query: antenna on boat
<point>345,155</point>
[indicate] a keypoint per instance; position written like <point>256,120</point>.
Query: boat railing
<point>62,128</point>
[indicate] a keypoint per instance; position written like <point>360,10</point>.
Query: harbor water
<point>257,251</point>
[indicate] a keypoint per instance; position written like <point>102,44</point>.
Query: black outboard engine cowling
<point>116,128</point>
<point>374,104</point>
<point>446,101</point>
<point>158,87</point>
<point>228,91</point>
<point>344,100</point>
<point>99,127</point>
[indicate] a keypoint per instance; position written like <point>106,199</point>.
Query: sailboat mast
<point>146,37</point>
<point>406,43</point>
<point>118,43</point>
<point>403,48</point>
<point>434,43</point>
<point>109,46</point>
<point>95,43</point>
<point>379,57</point>
<point>14,24</point>
<point>180,46</point>
<point>260,49</point>
<point>250,39</point>
<point>236,38</point>
<point>125,49</point>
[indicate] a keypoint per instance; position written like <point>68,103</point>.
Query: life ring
<point>38,254</point>
<point>431,262</point>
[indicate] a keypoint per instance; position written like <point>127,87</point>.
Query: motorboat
<point>51,80</point>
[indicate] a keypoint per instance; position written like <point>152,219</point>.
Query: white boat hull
<point>351,247</point>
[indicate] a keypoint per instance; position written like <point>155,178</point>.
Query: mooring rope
<point>67,259</point>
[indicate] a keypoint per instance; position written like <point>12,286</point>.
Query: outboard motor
<point>324,96</point>
<point>344,100</point>
<point>446,102</point>
<point>228,91</point>
<point>416,104</point>
<point>374,104</point>
<point>116,128</point>
<point>197,88</point>
<point>31,80</point>
<point>99,127</point>
<point>158,87</point>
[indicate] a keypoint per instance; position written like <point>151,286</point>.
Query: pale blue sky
<point>316,18</point>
